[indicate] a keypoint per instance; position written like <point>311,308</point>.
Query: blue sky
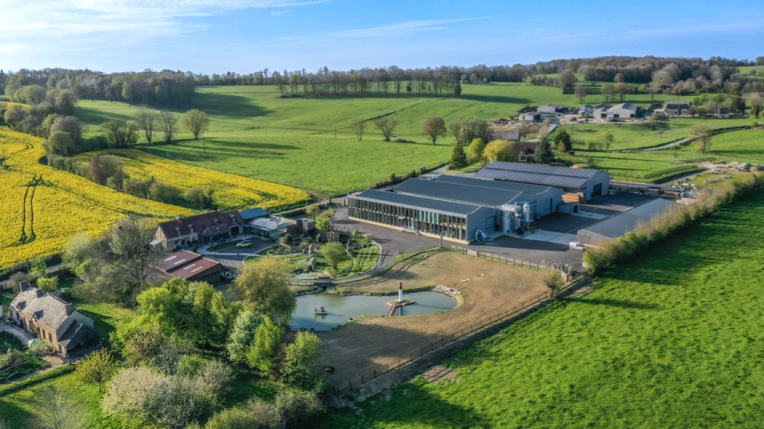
<point>245,35</point>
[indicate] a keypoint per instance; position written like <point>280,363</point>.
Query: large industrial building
<point>585,182</point>
<point>458,208</point>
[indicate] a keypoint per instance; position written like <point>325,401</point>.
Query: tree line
<point>160,89</point>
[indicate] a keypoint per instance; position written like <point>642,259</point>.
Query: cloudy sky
<point>211,36</point>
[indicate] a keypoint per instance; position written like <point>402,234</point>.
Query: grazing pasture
<point>307,142</point>
<point>670,340</point>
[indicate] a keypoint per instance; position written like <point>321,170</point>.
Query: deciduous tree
<point>358,126</point>
<point>581,92</point>
<point>566,80</point>
<point>262,286</point>
<point>168,123</point>
<point>147,120</point>
<point>334,253</point>
<point>500,150</point>
<point>563,141</point>
<point>242,335</point>
<point>386,125</point>
<point>121,134</point>
<point>299,367</point>
<point>195,121</point>
<point>97,368</point>
<point>264,349</point>
<point>703,135</point>
<point>434,127</point>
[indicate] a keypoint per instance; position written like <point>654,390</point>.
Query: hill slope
<point>42,208</point>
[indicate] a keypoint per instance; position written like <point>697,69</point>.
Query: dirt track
<point>363,345</point>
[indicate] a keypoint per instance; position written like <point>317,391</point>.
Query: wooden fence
<point>506,259</point>
<point>463,332</point>
<point>416,354</point>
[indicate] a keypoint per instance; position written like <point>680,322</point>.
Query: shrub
<point>334,253</point>
<point>297,408</point>
<point>48,284</point>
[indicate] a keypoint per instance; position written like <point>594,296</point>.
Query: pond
<point>340,308</point>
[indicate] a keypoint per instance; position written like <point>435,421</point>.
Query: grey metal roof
<point>457,192</point>
<point>414,202</point>
<point>539,179</point>
<point>495,184</point>
<point>538,174</point>
<point>619,225</point>
<point>253,213</point>
<point>543,169</point>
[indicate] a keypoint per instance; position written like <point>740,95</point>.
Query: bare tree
<point>456,127</point>
<point>358,126</point>
<point>169,125</point>
<point>434,127</point>
<point>58,410</point>
<point>581,92</point>
<point>703,134</point>
<point>195,121</point>
<point>387,125</point>
<point>146,119</point>
<point>553,282</point>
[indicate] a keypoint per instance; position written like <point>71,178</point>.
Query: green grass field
<point>744,146</point>
<point>631,166</point>
<point>256,133</point>
<point>746,70</point>
<point>639,135</point>
<point>673,339</point>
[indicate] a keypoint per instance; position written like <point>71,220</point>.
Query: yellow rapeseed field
<point>231,191</point>
<point>41,208</point>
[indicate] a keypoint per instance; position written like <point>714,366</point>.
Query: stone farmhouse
<point>57,323</point>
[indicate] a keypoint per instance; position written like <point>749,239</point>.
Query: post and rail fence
<point>494,319</point>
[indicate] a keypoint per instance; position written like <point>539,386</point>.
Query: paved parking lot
<point>394,242</point>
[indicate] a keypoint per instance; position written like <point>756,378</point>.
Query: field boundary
<point>478,326</point>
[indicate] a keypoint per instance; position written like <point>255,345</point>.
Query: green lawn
<point>673,339</point>
<point>9,342</point>
<point>746,70</point>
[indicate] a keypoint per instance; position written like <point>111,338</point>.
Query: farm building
<point>677,108</point>
<point>531,117</point>
<point>513,136</point>
<point>461,209</point>
<point>619,225</point>
<point>588,183</point>
<point>203,228</point>
<point>189,266</point>
<point>552,108</point>
<point>618,111</point>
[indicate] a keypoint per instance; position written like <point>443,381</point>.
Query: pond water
<point>340,308</point>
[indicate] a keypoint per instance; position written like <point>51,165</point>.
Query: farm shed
<point>619,225</point>
<point>458,208</point>
<point>189,266</point>
<point>587,182</point>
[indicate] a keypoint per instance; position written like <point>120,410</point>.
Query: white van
<point>576,245</point>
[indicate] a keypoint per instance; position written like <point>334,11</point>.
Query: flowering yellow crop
<point>41,208</point>
<point>231,191</point>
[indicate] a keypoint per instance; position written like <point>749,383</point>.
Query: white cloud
<point>25,21</point>
<point>400,29</point>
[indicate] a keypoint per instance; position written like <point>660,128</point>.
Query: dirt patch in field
<point>439,374</point>
<point>364,345</point>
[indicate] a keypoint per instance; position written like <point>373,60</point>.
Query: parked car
<point>245,243</point>
<point>576,245</point>
<point>228,275</point>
